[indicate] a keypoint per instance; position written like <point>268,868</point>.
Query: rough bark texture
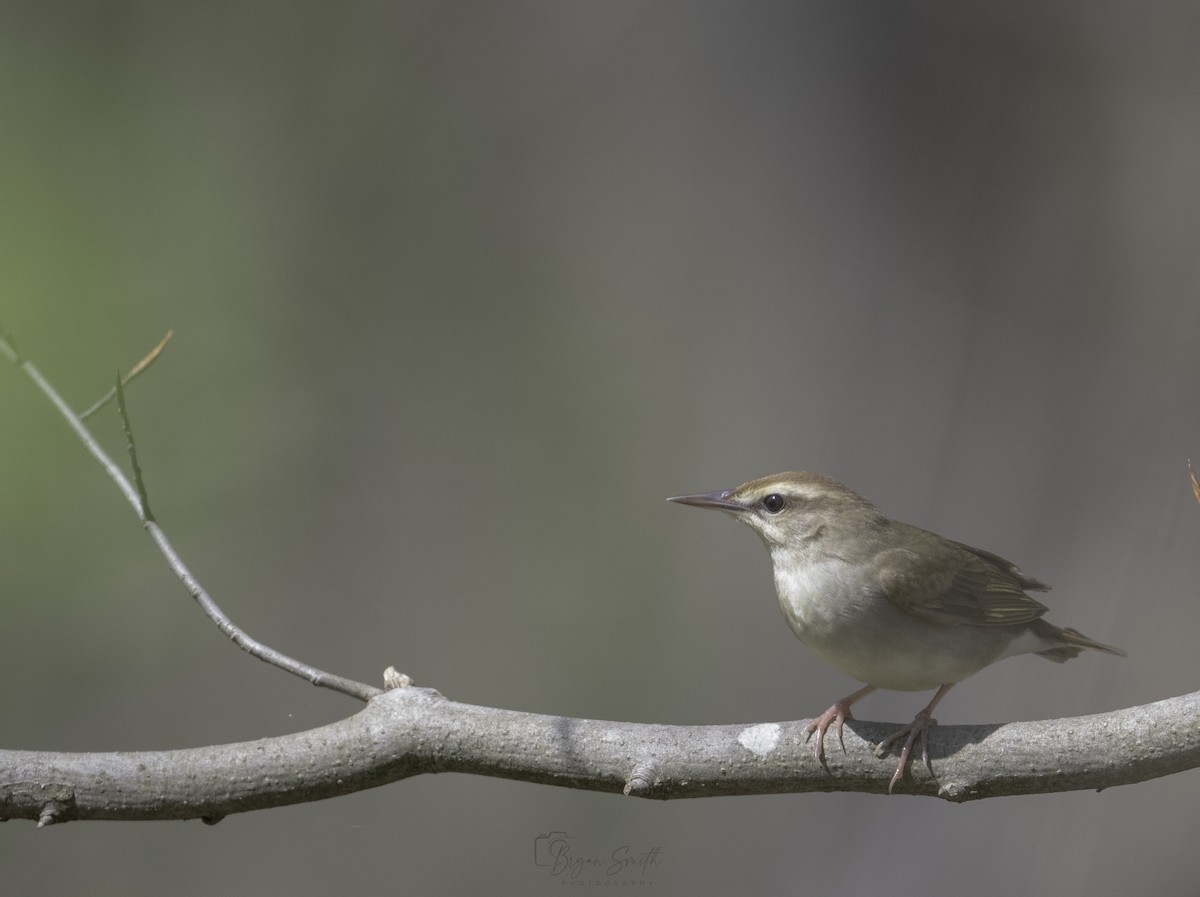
<point>410,731</point>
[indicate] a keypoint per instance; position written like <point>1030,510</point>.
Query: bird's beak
<point>718,500</point>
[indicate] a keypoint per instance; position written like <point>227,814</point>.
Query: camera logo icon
<point>550,848</point>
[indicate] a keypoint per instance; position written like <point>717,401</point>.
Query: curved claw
<point>918,728</point>
<point>839,713</point>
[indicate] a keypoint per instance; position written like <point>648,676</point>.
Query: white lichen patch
<point>760,740</point>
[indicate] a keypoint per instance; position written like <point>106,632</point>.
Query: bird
<point>889,604</point>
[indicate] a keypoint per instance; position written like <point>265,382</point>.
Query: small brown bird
<point>886,603</point>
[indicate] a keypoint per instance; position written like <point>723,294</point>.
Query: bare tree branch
<point>140,504</point>
<point>409,731</point>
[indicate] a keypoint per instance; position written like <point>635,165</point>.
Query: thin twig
<point>119,389</point>
<point>150,358</point>
<point>137,499</point>
<point>8,347</point>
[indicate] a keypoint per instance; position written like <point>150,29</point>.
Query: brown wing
<point>1005,566</point>
<point>948,582</point>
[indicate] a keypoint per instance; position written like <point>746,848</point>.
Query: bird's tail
<point>1067,642</point>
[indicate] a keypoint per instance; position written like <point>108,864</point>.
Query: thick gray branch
<point>409,731</point>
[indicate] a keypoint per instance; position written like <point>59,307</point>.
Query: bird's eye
<point>774,503</point>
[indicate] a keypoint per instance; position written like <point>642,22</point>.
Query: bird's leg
<point>839,713</point>
<point>919,727</point>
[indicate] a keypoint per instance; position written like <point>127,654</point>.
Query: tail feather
<point>1067,642</point>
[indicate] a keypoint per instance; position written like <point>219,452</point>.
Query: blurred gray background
<point>463,291</point>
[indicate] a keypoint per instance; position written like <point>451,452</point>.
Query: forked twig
<point>151,357</point>
<point>138,499</point>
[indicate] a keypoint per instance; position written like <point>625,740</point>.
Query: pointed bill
<point>718,500</point>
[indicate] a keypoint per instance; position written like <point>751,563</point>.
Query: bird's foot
<point>918,728</point>
<point>838,713</point>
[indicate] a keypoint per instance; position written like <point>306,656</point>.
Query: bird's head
<point>794,510</point>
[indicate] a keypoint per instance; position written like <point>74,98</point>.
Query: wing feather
<point>951,583</point>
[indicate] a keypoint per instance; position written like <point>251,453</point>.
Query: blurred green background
<point>463,291</point>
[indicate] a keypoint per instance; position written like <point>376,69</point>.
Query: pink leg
<point>918,728</point>
<point>839,713</point>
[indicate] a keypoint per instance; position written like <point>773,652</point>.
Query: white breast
<point>808,597</point>
<point>854,628</point>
